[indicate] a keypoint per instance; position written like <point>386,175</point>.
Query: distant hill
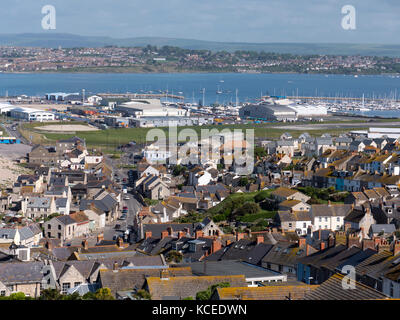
<point>54,40</point>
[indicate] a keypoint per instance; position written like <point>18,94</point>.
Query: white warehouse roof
<point>309,110</point>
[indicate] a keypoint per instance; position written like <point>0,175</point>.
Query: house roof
<point>130,279</point>
<point>332,289</point>
<point>12,273</point>
<point>229,267</point>
<point>386,228</point>
<point>332,210</point>
<point>278,292</point>
<point>188,286</point>
<point>284,253</point>
<point>286,216</point>
<point>284,192</point>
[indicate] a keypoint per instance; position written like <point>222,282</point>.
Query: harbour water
<point>219,87</point>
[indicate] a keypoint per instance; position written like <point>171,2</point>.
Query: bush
<point>261,196</point>
<point>206,294</point>
<point>247,208</point>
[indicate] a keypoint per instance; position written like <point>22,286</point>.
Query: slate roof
<point>238,250</point>
<point>333,210</point>
<point>65,219</point>
<point>229,267</point>
<point>375,265</point>
<point>130,279</point>
<point>39,202</point>
<point>7,233</point>
<point>259,251</point>
<point>332,289</point>
<point>294,216</point>
<point>188,286</point>
<point>284,253</point>
<point>13,273</point>
<point>30,231</point>
<point>386,228</point>
<point>278,292</point>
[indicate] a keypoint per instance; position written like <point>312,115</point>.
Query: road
<point>128,200</point>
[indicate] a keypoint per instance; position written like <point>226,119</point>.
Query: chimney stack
<point>260,239</point>
<point>169,229</point>
<point>148,234</point>
<point>180,234</point>
<point>100,237</point>
<point>239,236</point>
<point>216,245</point>
<point>115,265</point>
<point>302,242</point>
<point>396,247</point>
<point>199,234</point>
<point>368,244</point>
<point>164,234</point>
<point>322,245</point>
<point>120,242</point>
<point>353,240</point>
<point>85,244</point>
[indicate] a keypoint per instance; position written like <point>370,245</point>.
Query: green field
<point>111,138</point>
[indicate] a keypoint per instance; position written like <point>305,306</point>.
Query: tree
<point>206,294</point>
<point>246,208</point>
<point>244,181</point>
<point>103,294</point>
<point>17,296</point>
<point>260,152</point>
<point>50,294</point>
<point>142,295</point>
<point>174,256</point>
<point>261,196</point>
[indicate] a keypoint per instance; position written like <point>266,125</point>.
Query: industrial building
<point>61,96</point>
<point>138,108</point>
<point>266,111</point>
<point>31,114</point>
<point>5,107</point>
<point>147,122</point>
<point>282,110</point>
<point>375,133</point>
<point>304,111</point>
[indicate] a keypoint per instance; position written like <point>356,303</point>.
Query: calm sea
<point>249,86</point>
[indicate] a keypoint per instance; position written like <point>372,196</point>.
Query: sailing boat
<point>219,91</point>
<point>363,108</point>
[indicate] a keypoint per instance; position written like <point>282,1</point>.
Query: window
<point>320,219</point>
<point>304,225</point>
<point>59,227</point>
<point>326,219</point>
<point>65,287</point>
<point>290,224</point>
<point>48,226</point>
<point>77,284</point>
<point>2,293</point>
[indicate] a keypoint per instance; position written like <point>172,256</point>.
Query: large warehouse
<point>268,112</point>
<point>281,110</point>
<point>31,114</point>
<point>150,108</point>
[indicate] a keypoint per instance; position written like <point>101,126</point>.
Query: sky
<point>316,21</point>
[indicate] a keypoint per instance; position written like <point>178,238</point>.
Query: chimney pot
<point>85,244</point>
<point>148,234</point>
<point>164,234</point>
